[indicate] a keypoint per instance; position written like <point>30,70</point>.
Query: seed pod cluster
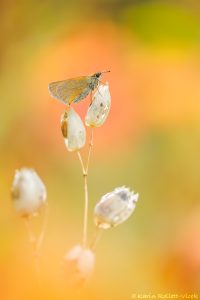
<point>72,127</point>
<point>73,130</point>
<point>115,207</point>
<point>79,264</point>
<point>99,109</point>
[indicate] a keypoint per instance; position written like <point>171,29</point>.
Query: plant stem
<point>85,216</point>
<point>33,243</point>
<point>85,176</point>
<point>36,242</point>
<point>40,238</point>
<point>91,144</point>
<point>97,235</point>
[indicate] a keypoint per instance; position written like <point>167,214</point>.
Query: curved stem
<point>81,162</point>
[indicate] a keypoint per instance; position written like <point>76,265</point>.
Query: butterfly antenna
<point>105,71</point>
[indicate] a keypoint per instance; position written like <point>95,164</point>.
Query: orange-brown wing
<point>68,90</point>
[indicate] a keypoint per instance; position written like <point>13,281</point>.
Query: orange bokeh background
<point>149,142</point>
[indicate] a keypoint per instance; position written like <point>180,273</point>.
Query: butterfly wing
<point>69,90</point>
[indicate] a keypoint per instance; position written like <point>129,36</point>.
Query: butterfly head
<point>95,78</point>
<point>98,75</point>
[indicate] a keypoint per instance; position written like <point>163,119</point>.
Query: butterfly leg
<point>102,82</point>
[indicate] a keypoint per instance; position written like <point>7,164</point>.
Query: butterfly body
<point>74,89</point>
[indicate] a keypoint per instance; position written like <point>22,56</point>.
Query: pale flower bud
<point>98,110</point>
<point>115,207</point>
<point>79,264</point>
<point>28,192</point>
<point>73,130</point>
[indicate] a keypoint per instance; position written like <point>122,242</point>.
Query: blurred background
<point>150,142</point>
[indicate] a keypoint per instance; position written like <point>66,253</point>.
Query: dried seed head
<point>28,192</point>
<point>98,110</point>
<point>73,130</point>
<point>79,264</point>
<point>115,207</point>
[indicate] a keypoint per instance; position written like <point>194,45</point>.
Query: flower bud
<point>115,207</point>
<point>73,130</point>
<point>28,192</point>
<point>79,264</point>
<point>98,110</point>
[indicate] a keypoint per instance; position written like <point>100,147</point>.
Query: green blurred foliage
<point>163,22</point>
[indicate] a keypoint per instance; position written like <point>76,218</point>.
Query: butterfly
<point>75,89</point>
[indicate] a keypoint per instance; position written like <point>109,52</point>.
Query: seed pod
<point>28,192</point>
<point>98,110</point>
<point>115,207</point>
<point>73,130</point>
<point>79,264</point>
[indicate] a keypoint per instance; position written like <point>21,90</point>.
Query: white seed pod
<point>115,207</point>
<point>28,192</point>
<point>99,109</point>
<point>79,264</point>
<point>73,130</point>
